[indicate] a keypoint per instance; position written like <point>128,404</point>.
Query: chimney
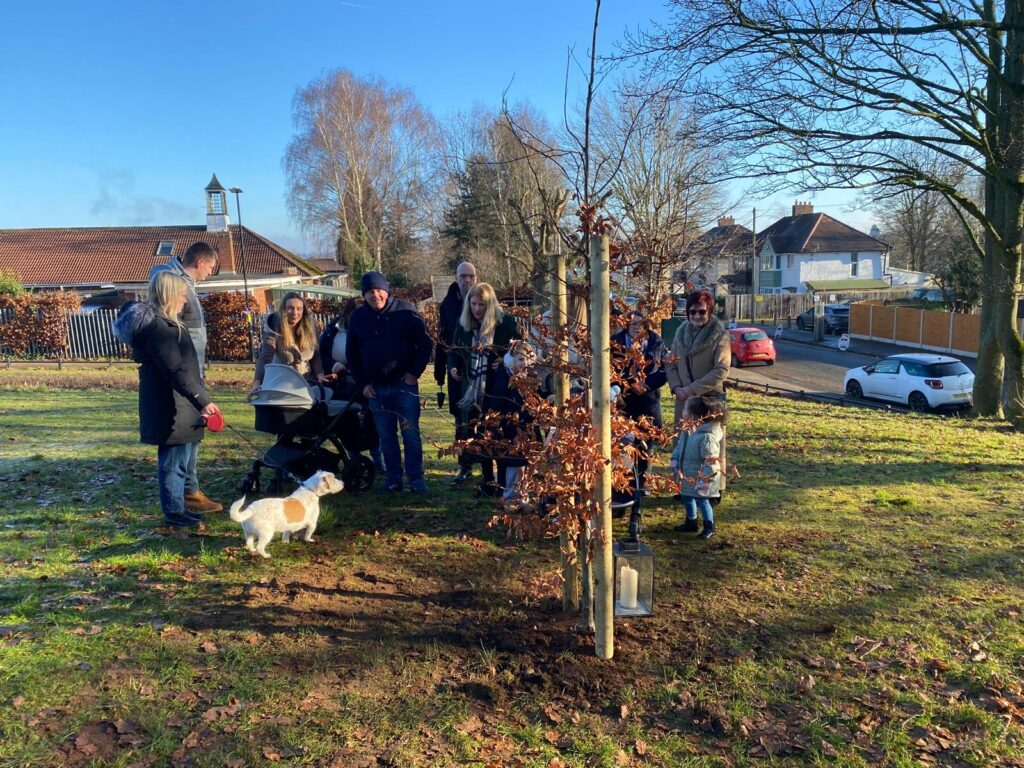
<point>726,221</point>
<point>799,209</point>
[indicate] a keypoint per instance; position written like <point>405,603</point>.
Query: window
<point>165,248</point>
<point>789,261</point>
<point>853,263</point>
<point>754,336</point>
<point>887,366</point>
<point>217,202</point>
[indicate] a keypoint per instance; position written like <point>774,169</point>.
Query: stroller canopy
<point>285,387</point>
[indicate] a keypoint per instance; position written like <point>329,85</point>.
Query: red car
<point>750,345</point>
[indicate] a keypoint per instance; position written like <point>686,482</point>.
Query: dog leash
<point>288,473</point>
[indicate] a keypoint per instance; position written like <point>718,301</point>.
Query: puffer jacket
<point>700,360</point>
<point>171,393</point>
<point>695,455</point>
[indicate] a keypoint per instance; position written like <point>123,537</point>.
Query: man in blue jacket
<point>388,349</point>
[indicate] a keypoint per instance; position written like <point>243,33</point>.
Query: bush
<point>226,326</point>
<point>37,320</point>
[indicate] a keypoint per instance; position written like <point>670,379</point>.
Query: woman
<point>641,394</point>
<point>481,339</point>
<point>173,403</point>
<point>291,342</point>
<point>702,353</point>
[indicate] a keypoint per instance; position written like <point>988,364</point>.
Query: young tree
<point>362,168</point>
<point>825,93</point>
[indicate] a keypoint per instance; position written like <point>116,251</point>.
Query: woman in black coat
<point>173,404</point>
<point>641,395</point>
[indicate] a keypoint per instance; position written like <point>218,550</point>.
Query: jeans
<point>398,406</point>
<point>192,475</point>
<point>511,477</point>
<point>172,473</point>
<point>691,503</point>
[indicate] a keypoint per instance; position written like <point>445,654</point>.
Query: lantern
<point>634,578</point>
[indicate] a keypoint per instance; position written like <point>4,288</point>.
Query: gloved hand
<point>440,399</point>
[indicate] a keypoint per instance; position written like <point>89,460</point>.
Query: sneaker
<point>393,487</point>
<point>182,521</point>
<point>687,526</point>
<point>708,532</point>
<point>200,502</point>
<point>419,488</point>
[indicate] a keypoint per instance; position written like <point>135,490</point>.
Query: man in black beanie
<point>388,349</point>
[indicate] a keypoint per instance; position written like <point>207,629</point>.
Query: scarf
<point>476,374</point>
<point>692,340</point>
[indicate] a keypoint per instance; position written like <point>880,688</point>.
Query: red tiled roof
<point>88,256</point>
<point>326,265</point>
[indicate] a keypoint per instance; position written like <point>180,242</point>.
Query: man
<point>197,264</point>
<point>447,318</point>
<point>387,350</point>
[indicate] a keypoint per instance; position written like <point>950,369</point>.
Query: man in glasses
<point>447,318</point>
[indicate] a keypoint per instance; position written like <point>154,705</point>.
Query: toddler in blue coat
<point>696,461</point>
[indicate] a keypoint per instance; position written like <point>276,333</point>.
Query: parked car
<point>922,381</point>
<point>751,345</point>
<point>837,319</point>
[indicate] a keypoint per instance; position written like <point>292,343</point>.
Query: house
<point>810,252</point>
<point>118,259</point>
<point>724,254</point>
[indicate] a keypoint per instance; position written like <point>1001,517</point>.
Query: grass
<point>861,605</point>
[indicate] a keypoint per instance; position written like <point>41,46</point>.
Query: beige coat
<point>709,353</point>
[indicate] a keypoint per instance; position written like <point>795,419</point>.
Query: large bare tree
<point>830,93</point>
<point>362,168</point>
<point>650,160</point>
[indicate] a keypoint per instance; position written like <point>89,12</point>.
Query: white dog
<point>265,517</point>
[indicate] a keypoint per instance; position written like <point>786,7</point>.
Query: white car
<point>922,381</point>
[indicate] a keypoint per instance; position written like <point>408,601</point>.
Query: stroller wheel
<point>358,474</point>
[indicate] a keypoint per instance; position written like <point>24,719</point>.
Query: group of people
<point>378,349</point>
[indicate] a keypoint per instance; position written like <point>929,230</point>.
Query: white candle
<point>627,586</point>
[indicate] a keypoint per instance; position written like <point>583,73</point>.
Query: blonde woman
<point>289,337</point>
<point>172,400</point>
<point>481,339</point>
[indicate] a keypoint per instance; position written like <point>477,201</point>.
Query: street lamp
<point>245,277</point>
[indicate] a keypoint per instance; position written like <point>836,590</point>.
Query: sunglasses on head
<point>698,312</point>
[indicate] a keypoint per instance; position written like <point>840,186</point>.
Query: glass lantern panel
<point>634,579</point>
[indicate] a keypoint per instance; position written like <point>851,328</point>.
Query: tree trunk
<point>1000,351</point>
<point>600,386</point>
<point>569,557</point>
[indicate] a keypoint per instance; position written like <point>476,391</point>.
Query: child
<point>504,398</point>
<point>696,462</point>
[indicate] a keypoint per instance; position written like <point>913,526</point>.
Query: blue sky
<point>117,113</point>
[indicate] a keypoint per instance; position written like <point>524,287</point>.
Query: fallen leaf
<point>209,647</point>
<point>641,747</point>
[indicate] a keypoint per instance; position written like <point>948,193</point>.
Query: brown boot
<point>200,502</point>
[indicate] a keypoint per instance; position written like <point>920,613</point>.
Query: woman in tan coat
<point>701,352</point>
<point>700,358</point>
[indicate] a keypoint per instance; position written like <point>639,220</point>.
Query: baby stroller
<point>315,431</point>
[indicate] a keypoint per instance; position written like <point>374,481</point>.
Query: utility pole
<point>755,271</point>
<point>245,277</point>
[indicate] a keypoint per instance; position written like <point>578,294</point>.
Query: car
<point>923,381</point>
<point>751,345</point>
<point>936,295</point>
<point>837,319</point>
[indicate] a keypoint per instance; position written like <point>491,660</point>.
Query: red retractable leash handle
<point>214,423</point>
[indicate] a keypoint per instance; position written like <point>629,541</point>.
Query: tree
<point>650,160</point>
<point>361,168</point>
<point>813,94</point>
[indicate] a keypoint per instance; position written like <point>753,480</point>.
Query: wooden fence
<point>774,307</point>
<point>952,332</point>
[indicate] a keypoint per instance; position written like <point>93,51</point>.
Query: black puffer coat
<point>647,403</point>
<point>170,390</point>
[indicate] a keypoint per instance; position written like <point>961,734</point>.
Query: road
<point>815,368</point>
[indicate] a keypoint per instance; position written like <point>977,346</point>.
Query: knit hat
<point>372,280</point>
